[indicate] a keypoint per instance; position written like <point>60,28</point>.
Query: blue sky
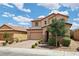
<point>22,13</point>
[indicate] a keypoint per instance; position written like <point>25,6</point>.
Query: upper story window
<point>36,23</point>
<point>45,22</point>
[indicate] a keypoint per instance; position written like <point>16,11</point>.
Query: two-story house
<point>39,26</point>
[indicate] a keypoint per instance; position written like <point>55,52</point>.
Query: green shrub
<point>4,43</point>
<point>17,40</point>
<point>66,41</point>
<point>33,46</point>
<point>52,42</point>
<point>36,44</point>
<point>10,42</point>
<point>39,42</point>
<point>66,36</point>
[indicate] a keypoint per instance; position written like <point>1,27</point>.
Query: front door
<point>47,36</point>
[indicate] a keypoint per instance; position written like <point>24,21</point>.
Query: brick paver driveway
<point>24,44</point>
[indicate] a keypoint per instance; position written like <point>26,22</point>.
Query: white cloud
<point>76,19</point>
<point>71,5</point>
<point>50,5</point>
<point>22,19</point>
<point>20,6</point>
<point>26,10</point>
<point>74,26</point>
<point>61,12</point>
<point>25,24</point>
<point>22,23</point>
<point>7,14</point>
<point>12,24</point>
<point>78,14</point>
<point>8,5</point>
<point>42,16</point>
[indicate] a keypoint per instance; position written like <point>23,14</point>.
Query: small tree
<point>57,28</point>
<point>6,36</point>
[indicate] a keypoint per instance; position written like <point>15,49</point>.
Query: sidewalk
<point>8,51</point>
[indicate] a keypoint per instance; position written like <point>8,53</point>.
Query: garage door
<point>36,35</point>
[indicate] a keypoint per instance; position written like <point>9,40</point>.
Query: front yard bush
<point>17,40</point>
<point>77,49</point>
<point>4,43</point>
<point>66,36</point>
<point>52,42</point>
<point>66,41</point>
<point>10,42</point>
<point>33,46</point>
<point>39,42</point>
<point>36,44</point>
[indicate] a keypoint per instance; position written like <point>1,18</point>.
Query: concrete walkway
<point>8,51</point>
<point>24,44</point>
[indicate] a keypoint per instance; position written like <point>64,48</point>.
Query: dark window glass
<point>36,23</point>
<point>45,22</point>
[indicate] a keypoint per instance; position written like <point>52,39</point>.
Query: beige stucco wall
<point>68,29</point>
<point>34,34</point>
<point>39,23</point>
<point>44,30</point>
<point>44,33</point>
<point>2,34</point>
<point>20,36</point>
<point>14,35</point>
<point>49,19</point>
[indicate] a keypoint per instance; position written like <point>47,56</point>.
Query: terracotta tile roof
<point>34,28</point>
<point>38,19</point>
<point>68,23</point>
<point>53,14</point>
<point>17,28</point>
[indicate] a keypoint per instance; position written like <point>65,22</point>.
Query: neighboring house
<point>14,32</point>
<point>40,25</point>
<point>75,34</point>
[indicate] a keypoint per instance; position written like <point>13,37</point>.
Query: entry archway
<point>46,36</point>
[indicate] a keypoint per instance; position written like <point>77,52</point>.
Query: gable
<point>5,27</point>
<point>68,25</point>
